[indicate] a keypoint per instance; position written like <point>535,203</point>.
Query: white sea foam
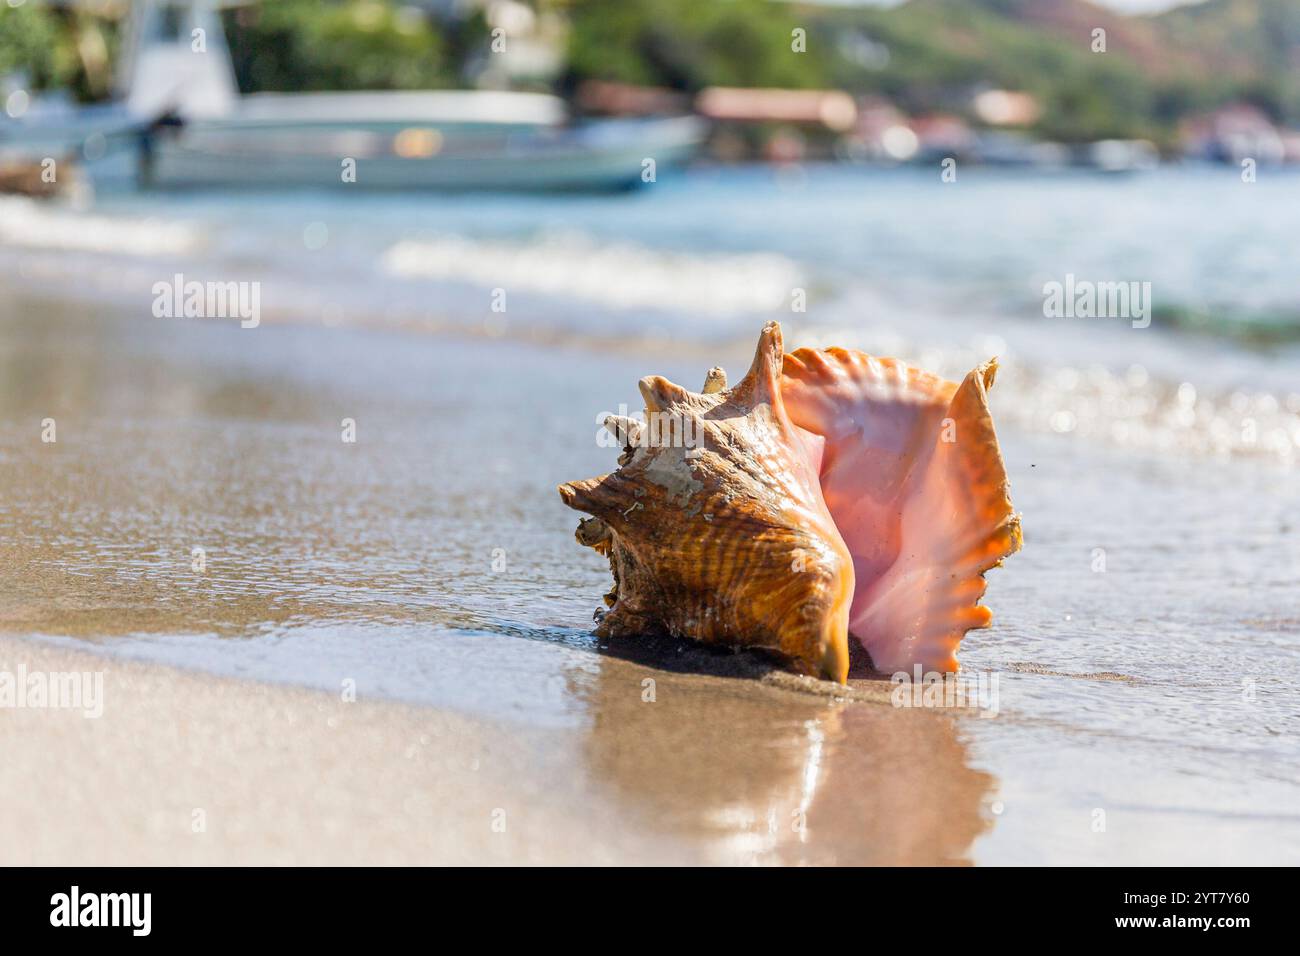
<point>26,224</point>
<point>621,275</point>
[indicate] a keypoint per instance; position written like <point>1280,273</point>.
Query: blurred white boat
<point>179,121</point>
<point>453,140</point>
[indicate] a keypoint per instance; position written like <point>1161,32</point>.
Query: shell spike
<point>660,394</point>
<point>627,431</point>
<point>592,495</point>
<point>762,383</point>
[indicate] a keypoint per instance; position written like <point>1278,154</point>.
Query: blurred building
<point>1233,133</point>
<point>881,133</point>
<point>942,135</point>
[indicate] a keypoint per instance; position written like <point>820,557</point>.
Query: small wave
<point>26,224</point>
<point>620,275</point>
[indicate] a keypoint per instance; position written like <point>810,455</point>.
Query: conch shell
<point>827,494</point>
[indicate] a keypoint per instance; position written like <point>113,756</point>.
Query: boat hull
<point>391,156</point>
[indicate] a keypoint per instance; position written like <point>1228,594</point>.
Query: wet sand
<point>187,768</point>
<point>431,566</point>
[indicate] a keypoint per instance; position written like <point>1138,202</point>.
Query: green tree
<point>361,44</point>
<point>34,41</point>
<point>688,44</point>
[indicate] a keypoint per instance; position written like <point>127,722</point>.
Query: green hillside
<point>1155,71</point>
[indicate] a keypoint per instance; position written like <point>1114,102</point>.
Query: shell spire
<point>717,529</point>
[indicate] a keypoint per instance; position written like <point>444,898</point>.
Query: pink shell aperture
<point>914,480</point>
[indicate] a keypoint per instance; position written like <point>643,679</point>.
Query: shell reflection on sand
<point>769,777</point>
